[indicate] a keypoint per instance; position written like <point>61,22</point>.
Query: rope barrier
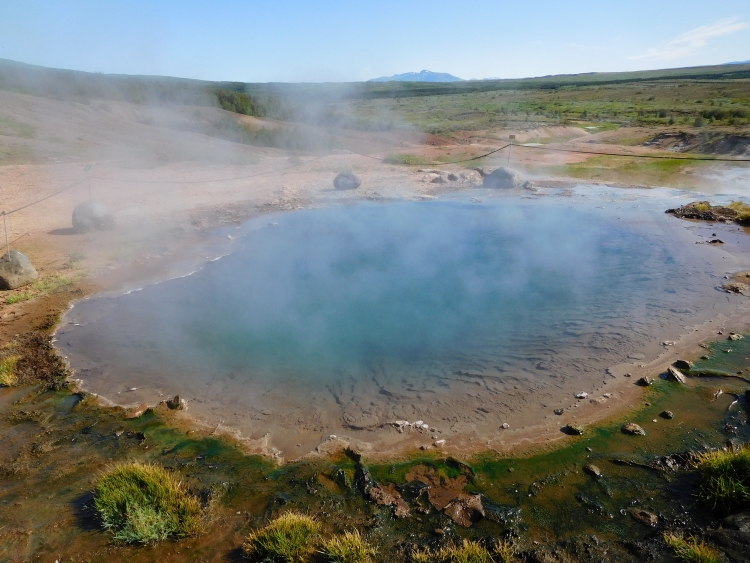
<point>703,158</point>
<point>434,163</point>
<point>44,198</point>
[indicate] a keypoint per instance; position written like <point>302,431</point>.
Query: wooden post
<point>510,149</point>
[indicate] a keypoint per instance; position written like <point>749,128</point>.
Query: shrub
<point>349,548</point>
<point>290,538</point>
<point>8,377</point>
<point>725,478</point>
<point>691,550</point>
<point>144,503</point>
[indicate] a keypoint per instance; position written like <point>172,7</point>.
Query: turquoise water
<point>396,298</point>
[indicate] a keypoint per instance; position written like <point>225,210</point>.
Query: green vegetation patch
<point>406,159</point>
<point>350,547</point>
<point>290,538</point>
<point>19,297</point>
<point>8,377</point>
<point>691,550</point>
<point>725,479</point>
<point>144,503</point>
<point>467,552</point>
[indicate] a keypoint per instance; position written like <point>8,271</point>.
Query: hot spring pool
<point>459,312</point>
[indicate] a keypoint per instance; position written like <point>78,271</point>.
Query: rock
<point>574,429</point>
<point>735,336</point>
<point>645,381</point>
<point>633,429</point>
<point>439,443</point>
<point>704,211</point>
<point>592,469</point>
<point>389,496</point>
<point>176,402</point>
<point>501,178</point>
<point>528,186</point>
<point>465,509</point>
<point>346,181</point>
<point>505,426</point>
<point>452,177</point>
<point>559,411</point>
<point>646,518</point>
<point>674,374</point>
<point>341,479</point>
<point>739,522</point>
<point>92,216</point>
<point>438,180</point>
<point>683,364</point>
<point>667,414</point>
<point>735,287</point>
<point>16,270</point>
<point>716,241</point>
<point>582,395</point>
<point>138,412</point>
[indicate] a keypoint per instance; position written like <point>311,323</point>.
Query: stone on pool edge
<point>16,270</point>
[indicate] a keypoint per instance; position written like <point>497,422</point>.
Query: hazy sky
<point>296,40</point>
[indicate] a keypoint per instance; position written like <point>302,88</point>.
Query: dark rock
<point>176,402</point>
<point>574,429</point>
<point>501,178</point>
<point>645,381</point>
<point>346,181</point>
<point>646,518</point>
<point>341,479</point>
<point>633,429</point>
<point>667,414</point>
<point>452,177</point>
<point>559,411</point>
<point>592,469</point>
<point>16,270</point>
<point>465,509</point>
<point>508,516</point>
<point>92,216</point>
<point>683,364</point>
<point>438,180</point>
<point>716,241</point>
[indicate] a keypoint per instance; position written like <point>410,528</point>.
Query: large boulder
<point>92,216</point>
<point>16,270</point>
<point>502,178</point>
<point>346,181</point>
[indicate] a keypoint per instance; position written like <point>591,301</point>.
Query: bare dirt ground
<point>170,185</point>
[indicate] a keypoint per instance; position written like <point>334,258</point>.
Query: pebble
<point>506,425</point>
<point>582,395</point>
<point>667,414</point>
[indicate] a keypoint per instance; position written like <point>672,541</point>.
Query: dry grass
<point>691,550</point>
<point>290,538</point>
<point>743,209</point>
<point>725,478</point>
<point>8,377</point>
<point>467,552</point>
<point>143,503</point>
<point>350,547</point>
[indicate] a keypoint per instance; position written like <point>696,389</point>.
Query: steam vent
<point>502,178</point>
<point>92,216</point>
<point>346,181</point>
<point>16,270</point>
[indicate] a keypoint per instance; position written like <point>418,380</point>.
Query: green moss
<point>144,503</point>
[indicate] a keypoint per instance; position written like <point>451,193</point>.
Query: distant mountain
<point>423,76</point>
<point>738,63</point>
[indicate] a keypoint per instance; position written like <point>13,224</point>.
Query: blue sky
<point>298,41</point>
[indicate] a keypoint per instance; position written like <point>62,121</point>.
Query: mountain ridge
<point>421,76</point>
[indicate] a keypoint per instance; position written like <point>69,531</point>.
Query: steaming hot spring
<point>468,313</point>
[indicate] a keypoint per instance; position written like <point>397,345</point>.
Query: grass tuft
<point>144,503</point>
<point>8,377</point>
<point>691,550</point>
<point>290,538</point>
<point>17,298</point>
<point>348,548</point>
<point>725,478</point>
<point>743,209</point>
<point>467,552</point>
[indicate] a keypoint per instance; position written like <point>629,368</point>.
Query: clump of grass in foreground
<point>743,209</point>
<point>17,298</point>
<point>405,159</point>
<point>143,503</point>
<point>725,478</point>
<point>691,550</point>
<point>290,538</point>
<point>349,548</point>
<point>467,552</point>
<point>8,377</point>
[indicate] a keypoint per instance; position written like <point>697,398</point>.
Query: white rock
<point>582,395</point>
<point>506,425</point>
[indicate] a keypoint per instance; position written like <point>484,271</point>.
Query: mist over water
<point>399,295</point>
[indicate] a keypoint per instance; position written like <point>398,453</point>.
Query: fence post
<point>7,244</point>
<point>510,149</point>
